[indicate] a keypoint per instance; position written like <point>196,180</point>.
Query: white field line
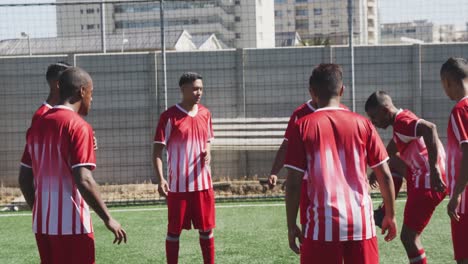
<point>165,208</point>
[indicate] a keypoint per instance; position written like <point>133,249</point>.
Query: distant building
<point>319,21</point>
<point>237,23</point>
<point>288,39</point>
<point>175,40</point>
<point>423,30</point>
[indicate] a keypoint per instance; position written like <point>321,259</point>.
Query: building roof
<point>287,39</point>
<point>175,40</point>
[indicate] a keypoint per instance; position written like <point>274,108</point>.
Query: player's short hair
<point>189,77</point>
<point>376,99</point>
<point>71,81</point>
<point>455,68</point>
<point>54,70</point>
<point>326,80</point>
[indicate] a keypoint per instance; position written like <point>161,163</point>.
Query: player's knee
<point>172,237</point>
<point>407,238</point>
<point>206,234</point>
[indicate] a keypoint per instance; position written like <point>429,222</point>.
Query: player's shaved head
<point>455,69</point>
<point>55,70</point>
<point>378,99</point>
<point>71,81</point>
<point>326,80</point>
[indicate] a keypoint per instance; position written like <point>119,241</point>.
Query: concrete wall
<point>129,97</point>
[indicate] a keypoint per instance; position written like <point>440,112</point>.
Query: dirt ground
<point>148,191</point>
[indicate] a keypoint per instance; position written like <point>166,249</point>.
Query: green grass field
<point>246,233</point>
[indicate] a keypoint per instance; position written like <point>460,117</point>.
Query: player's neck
<point>393,111</point>
<point>188,106</point>
<point>75,106</point>
<point>52,100</point>
<point>332,102</point>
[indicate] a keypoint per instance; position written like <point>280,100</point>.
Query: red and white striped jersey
<point>457,134</point>
<point>413,151</point>
<point>56,143</point>
<point>303,110</point>
<point>186,136</point>
<point>41,111</point>
<point>334,146</point>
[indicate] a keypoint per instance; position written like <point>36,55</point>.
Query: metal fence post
<point>163,51</point>
<point>351,52</point>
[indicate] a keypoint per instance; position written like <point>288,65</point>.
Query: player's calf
<point>172,248</point>
<point>412,244</point>
<point>207,246</point>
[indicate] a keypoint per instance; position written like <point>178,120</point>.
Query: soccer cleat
<point>379,214</point>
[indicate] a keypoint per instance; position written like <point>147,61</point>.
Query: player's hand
<point>163,188</point>
<point>116,228</point>
<point>437,183</point>
<point>207,157</point>
<point>272,181</point>
<point>389,226</point>
<point>373,181</point>
<point>452,207</point>
<point>294,233</point>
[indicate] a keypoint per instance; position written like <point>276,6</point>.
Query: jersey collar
<point>463,99</point>
<point>398,112</point>
<point>192,113</point>
<point>329,108</point>
<point>309,104</point>
<point>47,105</point>
<point>64,107</point>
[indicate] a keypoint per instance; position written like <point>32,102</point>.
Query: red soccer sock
<point>207,247</point>
<point>172,249</point>
<point>418,258</point>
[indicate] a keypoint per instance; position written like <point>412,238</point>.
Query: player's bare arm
<point>163,186</point>
<point>277,164</point>
<point>460,185</point>
<point>89,190</point>
<point>384,178</point>
<point>208,153</point>
<point>293,194</point>
<point>26,183</point>
<point>428,131</point>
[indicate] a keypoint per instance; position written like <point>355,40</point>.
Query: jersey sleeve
<point>459,120</point>
<point>82,147</point>
<point>163,130</point>
<point>405,126</point>
<point>210,128</point>
<point>26,160</point>
<point>290,127</point>
<point>296,157</point>
<point>376,151</point>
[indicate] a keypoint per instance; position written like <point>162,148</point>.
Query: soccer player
<point>305,109</point>
<point>454,77</point>
<point>52,77</point>
<point>418,145</point>
<point>56,180</point>
<point>186,131</point>
<point>334,146</point>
